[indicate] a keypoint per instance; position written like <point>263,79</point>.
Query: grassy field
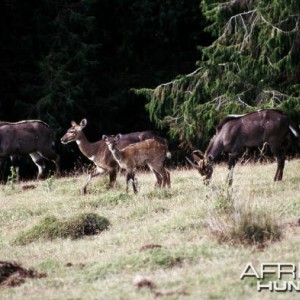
<point>163,240</point>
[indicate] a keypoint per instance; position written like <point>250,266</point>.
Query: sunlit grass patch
<point>161,257</point>
<point>149,260</point>
<point>20,214</point>
<point>161,193</point>
<point>189,257</point>
<point>144,211</point>
<point>50,228</point>
<point>110,198</point>
<point>68,186</point>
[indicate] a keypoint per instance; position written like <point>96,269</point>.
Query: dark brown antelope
<point>151,152</point>
<point>98,152</point>
<point>235,133</point>
<point>32,137</point>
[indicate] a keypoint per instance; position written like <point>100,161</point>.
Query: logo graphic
<point>285,276</point>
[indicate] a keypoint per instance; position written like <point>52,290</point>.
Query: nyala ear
<point>198,153</point>
<point>118,136</point>
<point>104,137</point>
<point>83,123</point>
<point>73,123</point>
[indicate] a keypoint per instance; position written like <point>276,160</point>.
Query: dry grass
<point>244,225</point>
<point>186,261</point>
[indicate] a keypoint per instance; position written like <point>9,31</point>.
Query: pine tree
<point>64,84</point>
<point>252,63</point>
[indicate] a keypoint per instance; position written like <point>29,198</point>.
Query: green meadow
<point>188,242</point>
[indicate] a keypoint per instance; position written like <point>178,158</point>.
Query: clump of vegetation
<point>239,223</point>
<point>162,257</point>
<point>245,227</point>
<point>49,182</point>
<point>160,194</point>
<point>12,178</point>
<point>50,228</point>
<point>116,198</point>
<point>109,199</point>
<point>224,200</point>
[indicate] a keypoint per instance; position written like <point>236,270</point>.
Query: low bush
<point>50,228</point>
<point>244,225</point>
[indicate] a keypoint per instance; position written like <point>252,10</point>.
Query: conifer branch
<point>244,103</point>
<point>176,80</point>
<point>278,96</point>
<point>235,18</point>
<point>277,28</point>
<point>248,28</point>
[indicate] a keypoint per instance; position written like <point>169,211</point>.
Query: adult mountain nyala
<point>235,133</point>
<point>98,151</point>
<point>32,137</point>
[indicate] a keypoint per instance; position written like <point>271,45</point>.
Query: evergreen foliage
<point>252,63</point>
<point>64,69</point>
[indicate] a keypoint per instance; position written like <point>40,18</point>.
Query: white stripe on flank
<point>293,131</point>
<point>236,116</point>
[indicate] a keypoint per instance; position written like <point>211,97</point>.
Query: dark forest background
<point>67,60</point>
<point>64,60</point>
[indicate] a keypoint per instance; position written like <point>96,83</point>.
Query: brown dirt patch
<point>13,274</point>
<point>28,187</point>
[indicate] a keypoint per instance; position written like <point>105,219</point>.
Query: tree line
<point>106,60</point>
<point>252,63</point>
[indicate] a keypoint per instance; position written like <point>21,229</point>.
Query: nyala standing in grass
<point>151,152</point>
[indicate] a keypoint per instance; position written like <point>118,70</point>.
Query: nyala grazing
<point>237,132</point>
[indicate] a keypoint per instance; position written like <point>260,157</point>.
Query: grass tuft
<point>76,227</point>
<point>161,194</point>
<point>109,199</point>
<point>223,198</point>
<point>161,257</point>
<point>244,225</point>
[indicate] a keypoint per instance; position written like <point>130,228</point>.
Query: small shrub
<point>223,198</point>
<point>50,228</point>
<point>235,222</point>
<point>244,226</point>
<point>12,178</point>
<point>49,182</point>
